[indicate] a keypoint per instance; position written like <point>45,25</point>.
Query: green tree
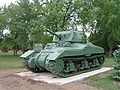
<point>2,21</point>
<point>2,24</point>
<point>106,30</point>
<point>27,21</point>
<point>18,22</point>
<point>6,43</point>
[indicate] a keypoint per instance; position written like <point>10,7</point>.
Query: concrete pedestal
<point>53,79</point>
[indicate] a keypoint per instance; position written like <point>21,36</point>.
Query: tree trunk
<point>15,52</point>
<point>110,52</point>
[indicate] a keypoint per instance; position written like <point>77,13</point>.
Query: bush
<point>116,71</point>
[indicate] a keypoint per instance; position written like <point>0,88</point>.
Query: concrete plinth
<point>53,79</point>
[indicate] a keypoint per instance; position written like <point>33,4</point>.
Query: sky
<point>7,2</point>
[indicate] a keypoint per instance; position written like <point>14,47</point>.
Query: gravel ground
<point>8,81</point>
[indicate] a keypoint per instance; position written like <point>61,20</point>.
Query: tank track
<point>59,66</point>
<point>35,70</point>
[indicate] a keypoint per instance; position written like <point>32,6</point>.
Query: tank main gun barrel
<point>53,33</point>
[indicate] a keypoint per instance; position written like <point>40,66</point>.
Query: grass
<point>109,62</point>
<point>104,81</point>
<point>10,62</point>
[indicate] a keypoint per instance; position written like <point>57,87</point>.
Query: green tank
<point>68,54</point>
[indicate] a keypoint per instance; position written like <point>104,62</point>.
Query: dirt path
<point>8,81</point>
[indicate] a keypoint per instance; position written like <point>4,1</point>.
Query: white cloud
<point>7,2</point>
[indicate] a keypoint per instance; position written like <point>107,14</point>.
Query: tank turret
<point>70,36</point>
<point>68,54</point>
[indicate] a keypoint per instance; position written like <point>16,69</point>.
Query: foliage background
<point>28,21</point>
